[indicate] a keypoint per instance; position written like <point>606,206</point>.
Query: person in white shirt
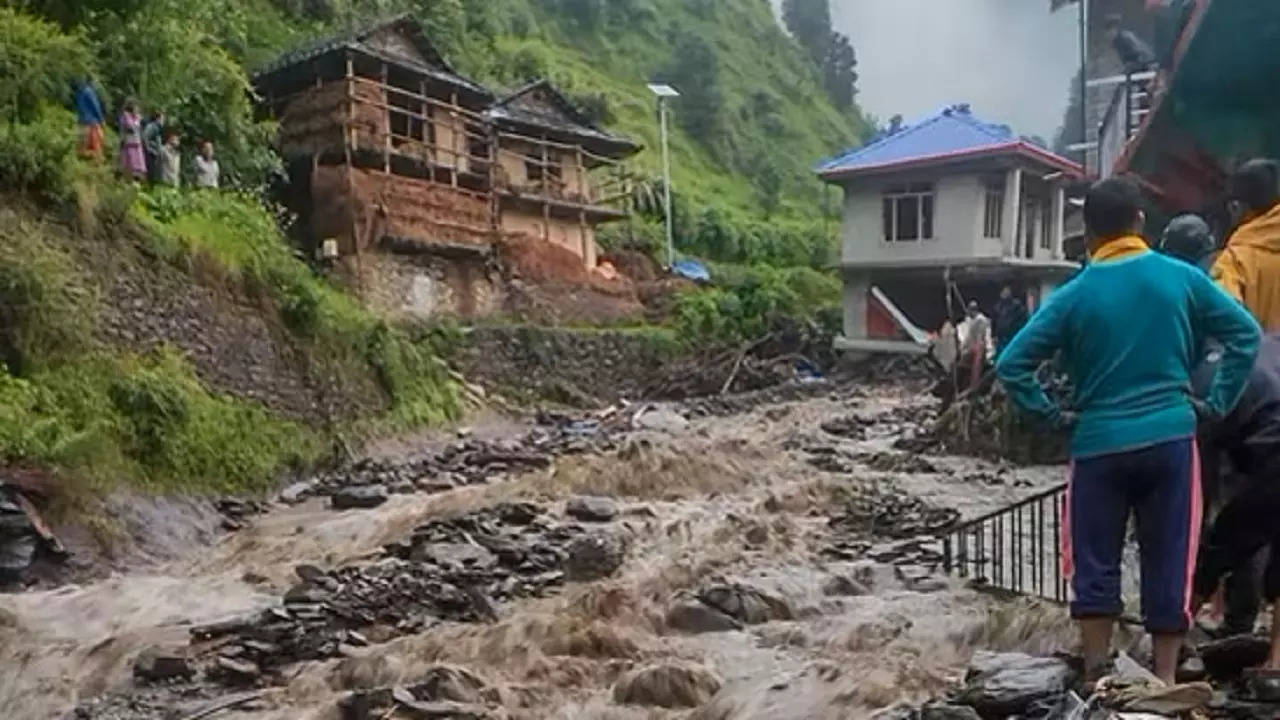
<point>207,171</point>
<point>169,161</point>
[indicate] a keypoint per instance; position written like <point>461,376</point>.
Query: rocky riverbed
<point>759,556</point>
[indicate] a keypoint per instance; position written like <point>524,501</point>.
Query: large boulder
<point>591,508</point>
<point>998,685</point>
<point>594,557</point>
<point>363,496</point>
<point>748,604</point>
<point>668,686</point>
<point>692,616</point>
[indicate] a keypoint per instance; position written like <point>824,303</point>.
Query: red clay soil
<point>537,261</point>
<point>636,265</point>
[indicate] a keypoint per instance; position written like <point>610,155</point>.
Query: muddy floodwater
<point>675,571</point>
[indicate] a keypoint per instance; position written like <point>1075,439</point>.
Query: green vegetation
<point>758,110</point>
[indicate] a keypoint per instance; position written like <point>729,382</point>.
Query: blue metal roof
<point>953,131</point>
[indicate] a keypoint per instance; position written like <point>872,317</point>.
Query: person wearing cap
<point>1249,266</point>
<point>1244,441</point>
<point>1130,329</point>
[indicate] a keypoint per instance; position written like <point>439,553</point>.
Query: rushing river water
<point>728,500</point>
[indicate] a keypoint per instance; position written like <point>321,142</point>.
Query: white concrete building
<point>945,211</point>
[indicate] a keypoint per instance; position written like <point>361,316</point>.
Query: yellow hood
<point>1262,233</point>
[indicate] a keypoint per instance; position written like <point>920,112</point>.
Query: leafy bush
<point>747,301</point>
<point>38,62</point>
<point>45,312</point>
<point>39,157</point>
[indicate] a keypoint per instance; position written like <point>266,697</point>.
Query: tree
<point>839,71</point>
<point>810,23</point>
<point>695,72</point>
<point>38,62</point>
<point>768,181</point>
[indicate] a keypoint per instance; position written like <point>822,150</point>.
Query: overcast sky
<point>1012,60</point>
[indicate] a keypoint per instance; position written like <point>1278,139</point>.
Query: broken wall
<point>313,121</point>
<point>567,233</point>
<point>369,204</point>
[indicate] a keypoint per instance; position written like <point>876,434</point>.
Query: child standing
<point>1130,328</point>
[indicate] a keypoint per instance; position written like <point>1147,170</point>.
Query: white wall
<point>957,222</point>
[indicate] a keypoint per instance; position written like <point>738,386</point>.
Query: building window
<point>993,214</point>
<point>908,212</point>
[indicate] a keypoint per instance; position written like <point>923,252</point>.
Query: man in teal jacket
<point>1130,328</point>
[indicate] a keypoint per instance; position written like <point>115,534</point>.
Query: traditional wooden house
<point>558,174</point>
<point>390,165</point>
<point>405,174</point>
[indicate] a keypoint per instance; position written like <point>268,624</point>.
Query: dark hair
<point>1111,207</point>
<point>1256,184</point>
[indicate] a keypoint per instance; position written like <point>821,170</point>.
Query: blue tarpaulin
<point>691,269</point>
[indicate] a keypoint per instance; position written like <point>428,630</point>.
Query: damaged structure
<point>408,177</point>
<point>1215,108</point>
<point>947,210</point>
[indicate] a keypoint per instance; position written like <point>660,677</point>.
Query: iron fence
<point>1017,548</point>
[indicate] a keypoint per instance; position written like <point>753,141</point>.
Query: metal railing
<point>1129,108</point>
<point>1017,548</point>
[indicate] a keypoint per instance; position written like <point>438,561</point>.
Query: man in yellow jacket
<point>1249,267</point>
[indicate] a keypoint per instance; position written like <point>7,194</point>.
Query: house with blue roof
<point>945,211</point>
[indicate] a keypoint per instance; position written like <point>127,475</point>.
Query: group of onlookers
<point>149,151</point>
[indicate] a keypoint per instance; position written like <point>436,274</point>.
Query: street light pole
<point>666,182</point>
<point>665,92</point>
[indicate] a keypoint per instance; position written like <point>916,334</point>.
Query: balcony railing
<point>1129,108</point>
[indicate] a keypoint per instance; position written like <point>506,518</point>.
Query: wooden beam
<point>386,141</point>
<point>350,146</point>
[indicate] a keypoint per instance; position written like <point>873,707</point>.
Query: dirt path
<point>731,510</point>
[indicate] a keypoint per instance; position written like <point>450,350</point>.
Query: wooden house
<point>402,174</point>
<point>558,174</point>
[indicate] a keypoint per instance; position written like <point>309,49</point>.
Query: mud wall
<point>567,233</point>
<point>374,205</point>
<point>313,122</point>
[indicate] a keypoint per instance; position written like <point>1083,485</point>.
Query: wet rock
<point>1191,670</point>
<point>843,586</point>
<point>305,593</point>
<point>661,420</point>
<point>891,513</point>
<point>948,712</point>
<point>694,616</point>
<point>594,557</point>
<point>591,508</point>
<point>369,496</point>
<point>757,534</point>
<point>236,671</point>
<point>157,663</point>
<point>667,686</point>
<point>1004,684</point>
<point>448,682</point>
<point>297,492</point>
<point>455,555</point>
<point>1228,658</point>
<point>747,604</point>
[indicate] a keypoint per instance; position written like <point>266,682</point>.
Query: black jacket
<point>1011,315</point>
<point>1249,436</point>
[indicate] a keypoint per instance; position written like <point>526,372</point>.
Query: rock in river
<point>365,496</point>
<point>668,686</point>
<point>157,663</point>
<point>591,509</point>
<point>594,557</point>
<point>692,616</point>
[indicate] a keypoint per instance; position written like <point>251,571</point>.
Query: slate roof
<point>565,118</point>
<point>953,134</point>
<point>356,39</point>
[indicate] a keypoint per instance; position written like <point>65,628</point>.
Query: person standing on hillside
<point>1249,267</point>
<point>1130,328</point>
<point>170,162</point>
<point>133,161</point>
<point>153,140</point>
<point>208,174</point>
<point>90,116</point>
<point>1011,315</point>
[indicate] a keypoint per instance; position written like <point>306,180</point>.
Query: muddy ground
<point>760,561</point>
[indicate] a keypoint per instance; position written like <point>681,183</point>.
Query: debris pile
<point>468,461</point>
<point>988,426</point>
<point>745,402</point>
<point>453,569</point>
<point>442,691</point>
<point>889,512</point>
